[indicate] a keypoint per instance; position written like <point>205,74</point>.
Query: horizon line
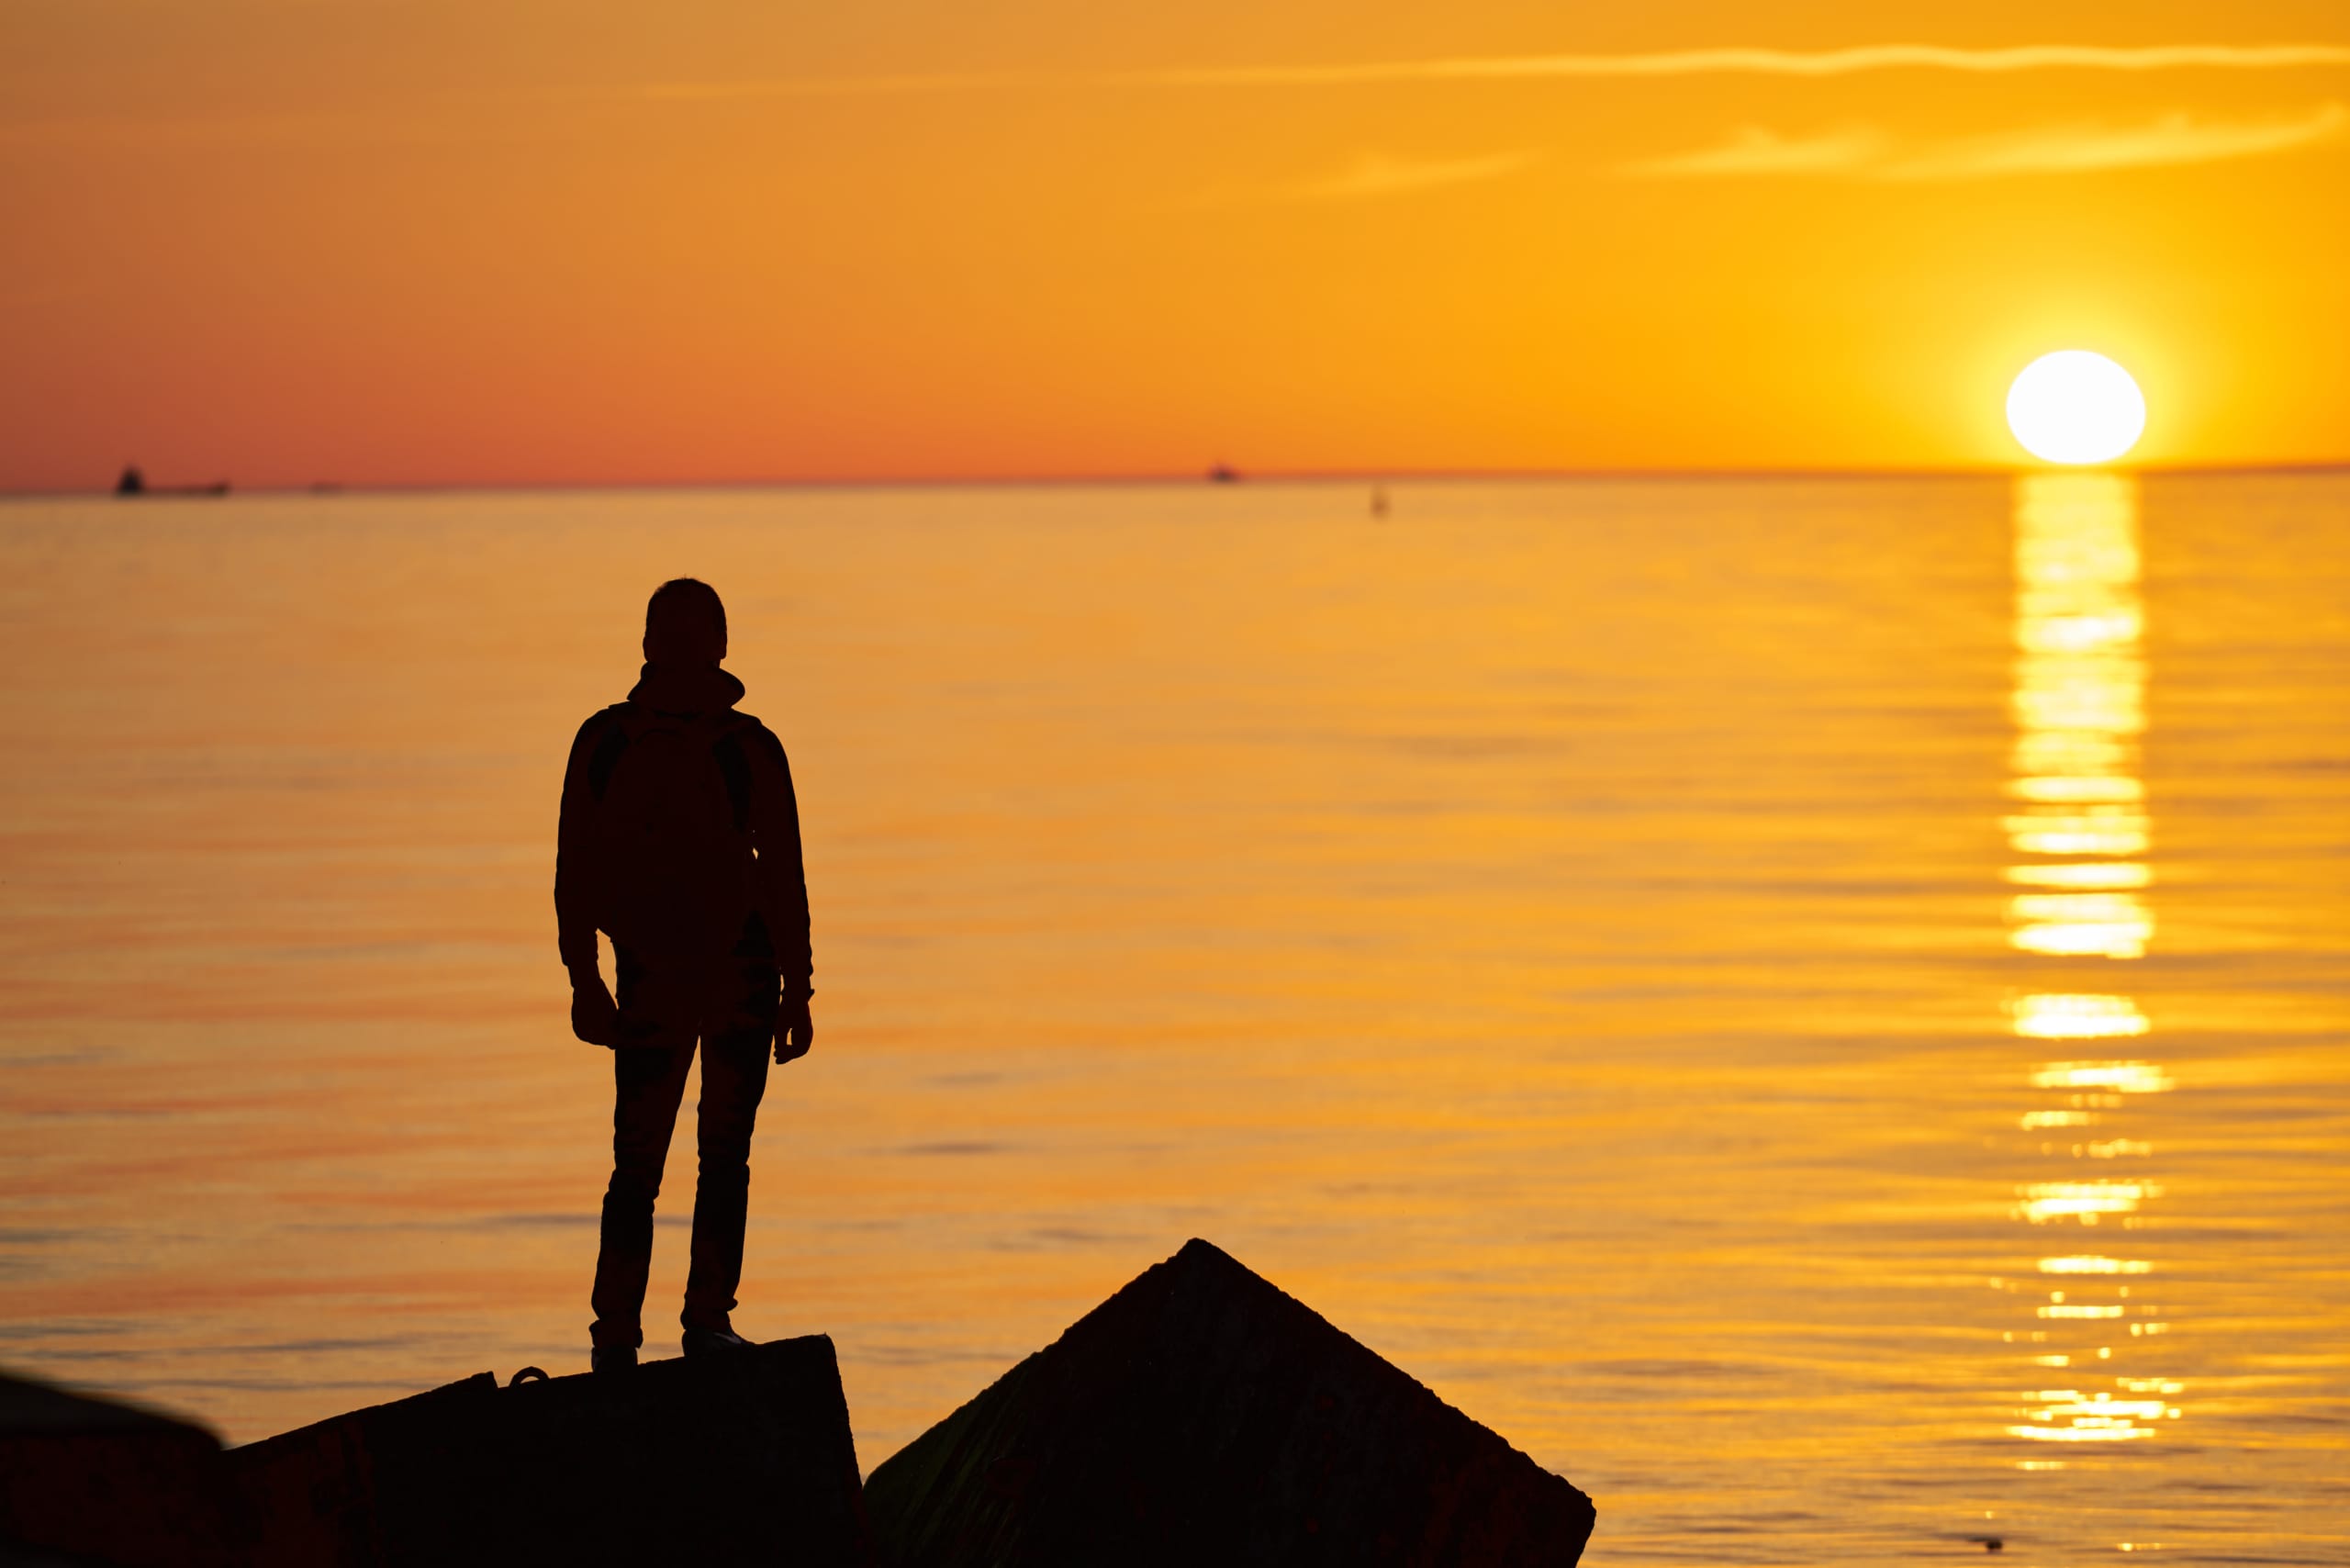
<point>328,487</point>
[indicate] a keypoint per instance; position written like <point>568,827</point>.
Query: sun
<point>2075,406</point>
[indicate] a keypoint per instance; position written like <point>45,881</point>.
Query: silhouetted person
<point>680,840</point>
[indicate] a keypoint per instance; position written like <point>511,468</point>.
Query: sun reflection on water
<point>2083,1201</point>
<point>2083,1264</point>
<point>2081,874</point>
<point>2120,1077</point>
<point>2069,1415</point>
<point>2080,708</point>
<point>2079,829</point>
<point>2065,1018</point>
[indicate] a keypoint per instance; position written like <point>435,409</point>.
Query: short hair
<point>678,604</point>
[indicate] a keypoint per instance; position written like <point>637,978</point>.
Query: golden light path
<point>2078,832</point>
<point>2079,705</point>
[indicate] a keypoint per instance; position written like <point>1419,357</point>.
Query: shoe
<point>613,1359</point>
<point>713,1341</point>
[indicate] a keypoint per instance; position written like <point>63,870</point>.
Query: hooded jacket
<point>779,898</point>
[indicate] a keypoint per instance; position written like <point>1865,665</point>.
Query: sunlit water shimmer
<point>1816,1008</point>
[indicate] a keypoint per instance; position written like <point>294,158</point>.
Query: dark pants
<point>650,1079</point>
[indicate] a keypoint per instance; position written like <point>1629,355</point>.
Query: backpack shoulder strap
<point>734,765</point>
<point>614,740</point>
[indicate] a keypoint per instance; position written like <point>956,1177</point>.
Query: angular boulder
<point>90,1479</point>
<point>1202,1416</point>
<point>736,1459</point>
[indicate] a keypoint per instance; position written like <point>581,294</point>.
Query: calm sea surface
<point>1817,1009</point>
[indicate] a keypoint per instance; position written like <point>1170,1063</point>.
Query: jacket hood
<point>686,689</point>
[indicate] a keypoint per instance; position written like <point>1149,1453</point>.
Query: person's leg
<point>650,1080</point>
<point>734,1081</point>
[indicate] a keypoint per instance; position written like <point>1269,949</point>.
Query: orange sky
<point>578,241</point>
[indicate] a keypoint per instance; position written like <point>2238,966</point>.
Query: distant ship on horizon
<point>134,483</point>
<point>1223,474</point>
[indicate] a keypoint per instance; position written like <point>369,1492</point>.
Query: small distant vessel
<point>134,483</point>
<point>1223,474</point>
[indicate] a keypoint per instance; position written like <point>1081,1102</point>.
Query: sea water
<point>1814,1007</point>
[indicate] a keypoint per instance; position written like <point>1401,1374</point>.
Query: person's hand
<point>594,1018</point>
<point>795,1031</point>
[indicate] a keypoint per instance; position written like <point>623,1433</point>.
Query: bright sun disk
<point>2075,406</point>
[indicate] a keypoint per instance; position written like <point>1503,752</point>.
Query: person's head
<point>685,624</point>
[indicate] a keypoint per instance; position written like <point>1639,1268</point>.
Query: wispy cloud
<point>1823,62</point>
<point>1862,152</point>
<point>1785,62</point>
<point>2173,138</point>
<point>1756,150</point>
<point>1459,69</point>
<point>1372,176</point>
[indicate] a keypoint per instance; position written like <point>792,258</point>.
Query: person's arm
<point>783,888</point>
<point>593,1017</point>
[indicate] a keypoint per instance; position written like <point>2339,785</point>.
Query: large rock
<point>732,1460</point>
<point>1201,1416</point>
<point>89,1480</point>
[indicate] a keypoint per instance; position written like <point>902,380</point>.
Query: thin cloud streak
<point>1757,150</point>
<point>1546,67</point>
<point>2169,141</point>
<point>1865,154</point>
<point>1817,63</point>
<point>1820,63</point>
<point>1783,62</point>
<point>1371,177</point>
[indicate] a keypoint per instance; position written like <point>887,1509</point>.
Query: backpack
<point>672,836</point>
